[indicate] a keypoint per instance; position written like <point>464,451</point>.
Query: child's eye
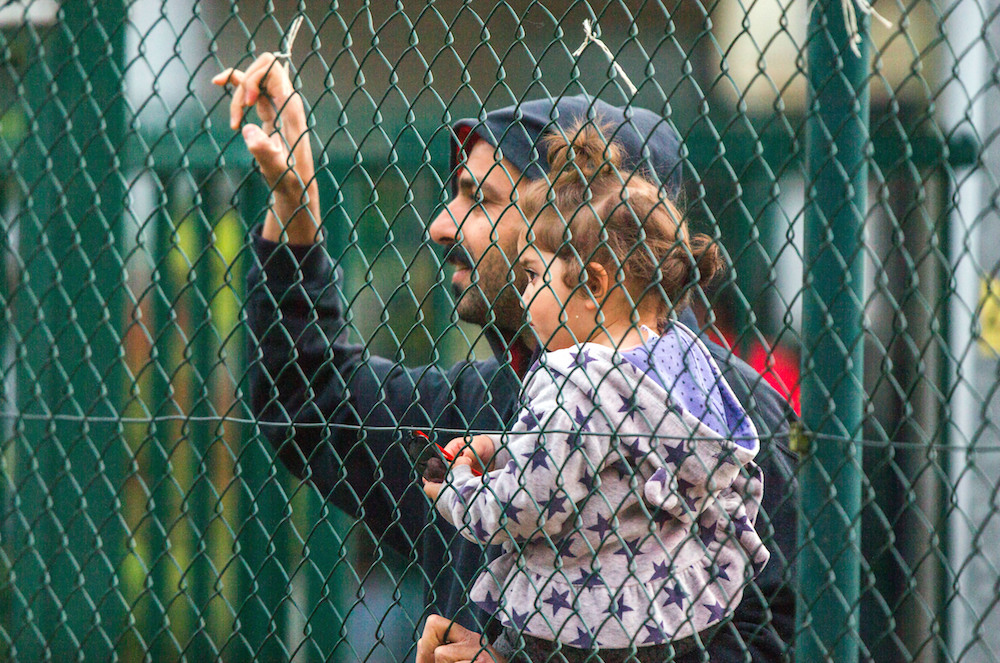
<point>531,275</point>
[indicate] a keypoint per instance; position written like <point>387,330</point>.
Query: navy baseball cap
<point>650,145</point>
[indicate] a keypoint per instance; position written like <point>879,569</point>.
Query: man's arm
<point>332,413</point>
<point>764,623</point>
<point>337,415</point>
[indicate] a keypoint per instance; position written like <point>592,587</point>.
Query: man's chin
<point>505,315</point>
<point>470,307</point>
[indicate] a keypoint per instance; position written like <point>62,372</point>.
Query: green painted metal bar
<point>69,312</point>
<point>832,384</point>
<point>201,498</point>
<point>8,451</point>
<point>155,626</point>
<point>261,614</point>
<point>28,524</point>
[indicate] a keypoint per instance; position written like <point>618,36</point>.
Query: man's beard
<point>492,298</point>
<point>505,312</point>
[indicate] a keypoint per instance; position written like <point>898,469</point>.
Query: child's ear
<point>598,284</point>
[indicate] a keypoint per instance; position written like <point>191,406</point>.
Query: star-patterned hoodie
<point>623,517</point>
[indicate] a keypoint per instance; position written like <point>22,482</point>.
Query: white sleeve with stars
<point>550,465</point>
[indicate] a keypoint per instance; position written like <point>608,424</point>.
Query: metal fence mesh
<point>144,513</point>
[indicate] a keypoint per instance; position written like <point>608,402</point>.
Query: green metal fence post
<point>155,622</point>
<point>832,384</point>
<point>71,373</point>
<point>261,613</point>
<point>200,501</point>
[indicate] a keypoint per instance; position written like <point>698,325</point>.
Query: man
<point>335,416</point>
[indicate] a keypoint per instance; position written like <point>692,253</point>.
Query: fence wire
<point>154,505</point>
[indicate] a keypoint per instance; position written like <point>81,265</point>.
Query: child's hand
<point>431,489</point>
<point>476,451</point>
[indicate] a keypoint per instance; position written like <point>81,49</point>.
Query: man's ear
<point>598,284</point>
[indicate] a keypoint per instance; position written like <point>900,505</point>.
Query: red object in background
<point>779,366</point>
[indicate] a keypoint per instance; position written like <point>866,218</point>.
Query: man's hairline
<point>509,168</point>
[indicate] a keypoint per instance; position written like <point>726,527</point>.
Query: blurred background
<point>143,515</point>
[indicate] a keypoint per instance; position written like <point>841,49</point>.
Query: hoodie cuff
<point>450,495</point>
<point>502,455</point>
<point>285,265</point>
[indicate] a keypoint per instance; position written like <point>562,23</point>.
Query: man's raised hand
<point>280,145</point>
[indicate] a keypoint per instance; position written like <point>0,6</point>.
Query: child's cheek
<point>563,315</point>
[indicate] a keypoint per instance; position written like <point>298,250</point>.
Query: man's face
<point>480,226</point>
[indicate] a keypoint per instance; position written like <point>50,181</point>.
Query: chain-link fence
<point>145,512</point>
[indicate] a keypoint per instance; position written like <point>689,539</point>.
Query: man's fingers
<point>257,141</point>
<point>236,108</point>
<point>469,650</point>
<point>453,653</point>
<point>439,628</point>
<point>443,641</point>
<point>233,76</point>
<point>436,628</point>
<point>266,71</point>
<point>425,650</point>
<point>269,151</point>
<point>489,656</point>
<point>255,72</point>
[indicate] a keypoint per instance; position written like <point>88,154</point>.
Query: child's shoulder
<point>577,363</point>
<point>582,356</point>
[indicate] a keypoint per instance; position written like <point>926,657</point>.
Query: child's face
<point>558,316</point>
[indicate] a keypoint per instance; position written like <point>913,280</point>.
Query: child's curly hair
<point>592,212</point>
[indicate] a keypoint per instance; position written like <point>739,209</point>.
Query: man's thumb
<point>265,149</point>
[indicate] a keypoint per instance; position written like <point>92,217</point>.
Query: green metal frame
<point>833,363</point>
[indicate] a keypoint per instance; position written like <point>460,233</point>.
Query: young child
<point>625,494</point>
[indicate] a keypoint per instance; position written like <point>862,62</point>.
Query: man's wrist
<point>297,224</point>
<point>289,265</point>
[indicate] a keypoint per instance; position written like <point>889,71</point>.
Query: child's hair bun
<point>582,153</point>
<point>707,257</point>
<point>686,264</point>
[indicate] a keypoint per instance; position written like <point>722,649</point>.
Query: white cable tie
<point>851,25</point>
<point>866,8</point>
<point>290,39</point>
<point>591,36</point>
<point>850,8</point>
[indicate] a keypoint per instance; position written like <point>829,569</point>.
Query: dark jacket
<point>338,416</point>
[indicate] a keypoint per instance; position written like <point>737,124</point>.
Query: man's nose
<point>444,229</point>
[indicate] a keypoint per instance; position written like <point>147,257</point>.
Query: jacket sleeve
<point>765,620</point>
<point>332,411</point>
<point>549,467</point>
